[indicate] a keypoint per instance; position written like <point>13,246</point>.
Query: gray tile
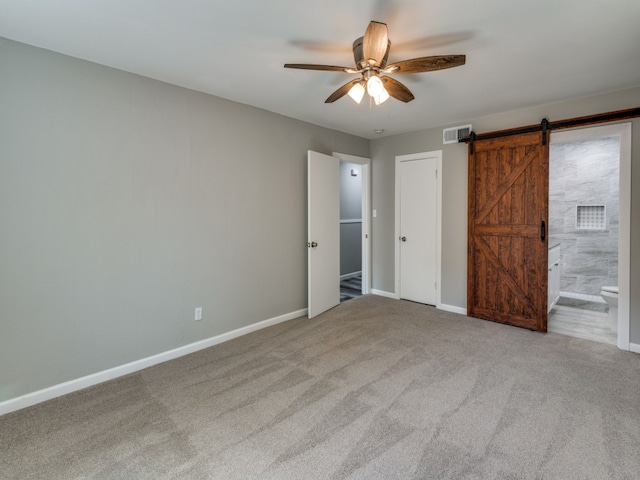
<point>569,283</point>
<point>586,324</point>
<point>613,271</point>
<point>591,284</point>
<point>555,225</point>
<point>587,192</point>
<point>585,265</point>
<point>598,245</point>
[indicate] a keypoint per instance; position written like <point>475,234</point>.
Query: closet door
<point>507,230</point>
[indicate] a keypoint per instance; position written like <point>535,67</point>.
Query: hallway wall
<point>350,218</point>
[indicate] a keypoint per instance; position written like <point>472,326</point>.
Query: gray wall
<point>454,200</point>
<point>126,202</point>
<point>585,172</point>
<point>350,209</point>
<point>454,178</point>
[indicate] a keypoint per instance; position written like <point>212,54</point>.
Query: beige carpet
<point>375,388</point>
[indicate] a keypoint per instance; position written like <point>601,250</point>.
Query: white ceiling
<point>519,52</point>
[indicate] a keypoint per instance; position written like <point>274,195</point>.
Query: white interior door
<point>323,239</point>
<point>418,230</point>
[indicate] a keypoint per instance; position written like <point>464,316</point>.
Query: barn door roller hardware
<point>545,126</point>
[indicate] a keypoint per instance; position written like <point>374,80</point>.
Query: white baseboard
<point>78,384</point>
<point>350,275</point>
<point>382,293</point>
<point>634,347</point>
<point>452,308</point>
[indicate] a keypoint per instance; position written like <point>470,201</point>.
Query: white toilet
<point>610,295</point>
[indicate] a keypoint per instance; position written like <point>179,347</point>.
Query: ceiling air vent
<point>453,134</point>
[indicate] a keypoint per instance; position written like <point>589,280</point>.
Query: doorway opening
<point>589,205</point>
<point>355,252</point>
<point>350,231</point>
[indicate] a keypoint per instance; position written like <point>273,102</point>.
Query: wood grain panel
<point>507,259</point>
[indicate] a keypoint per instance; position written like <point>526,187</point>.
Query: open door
<point>508,218</point>
<point>323,239</point>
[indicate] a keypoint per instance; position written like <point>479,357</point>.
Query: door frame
<point>366,215</point>
<point>622,130</point>
<point>399,160</point>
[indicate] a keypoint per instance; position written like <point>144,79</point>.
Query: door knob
<point>404,239</point>
<point>312,244</point>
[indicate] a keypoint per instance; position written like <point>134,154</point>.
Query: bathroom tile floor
<point>576,322</point>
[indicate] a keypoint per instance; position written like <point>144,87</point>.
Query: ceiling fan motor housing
<point>358,54</point>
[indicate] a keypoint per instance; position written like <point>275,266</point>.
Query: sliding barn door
<point>508,217</point>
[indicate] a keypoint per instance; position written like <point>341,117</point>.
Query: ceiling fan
<point>371,53</point>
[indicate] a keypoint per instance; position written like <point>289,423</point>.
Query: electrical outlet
<point>198,314</point>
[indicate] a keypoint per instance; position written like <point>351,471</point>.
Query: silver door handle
<point>404,239</point>
<point>312,244</point>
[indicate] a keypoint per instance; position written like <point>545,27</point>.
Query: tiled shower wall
<point>585,173</point>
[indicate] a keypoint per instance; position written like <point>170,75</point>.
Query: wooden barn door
<point>508,218</point>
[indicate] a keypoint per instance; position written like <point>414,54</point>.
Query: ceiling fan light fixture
<point>374,86</point>
<point>370,54</point>
<point>357,92</point>
<point>382,97</point>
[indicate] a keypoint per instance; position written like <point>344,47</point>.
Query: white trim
<point>419,156</point>
<point>366,215</point>
<point>439,234</point>
<point>55,391</point>
<point>623,130</point>
<point>634,347</point>
<point>452,308</point>
<point>350,275</point>
<point>382,293</point>
<point>351,220</point>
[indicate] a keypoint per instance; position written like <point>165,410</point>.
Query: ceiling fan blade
<point>375,42</point>
<point>306,66</point>
<point>397,90</point>
<point>426,64</point>
<point>342,91</point>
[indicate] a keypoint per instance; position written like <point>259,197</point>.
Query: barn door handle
<point>543,231</point>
